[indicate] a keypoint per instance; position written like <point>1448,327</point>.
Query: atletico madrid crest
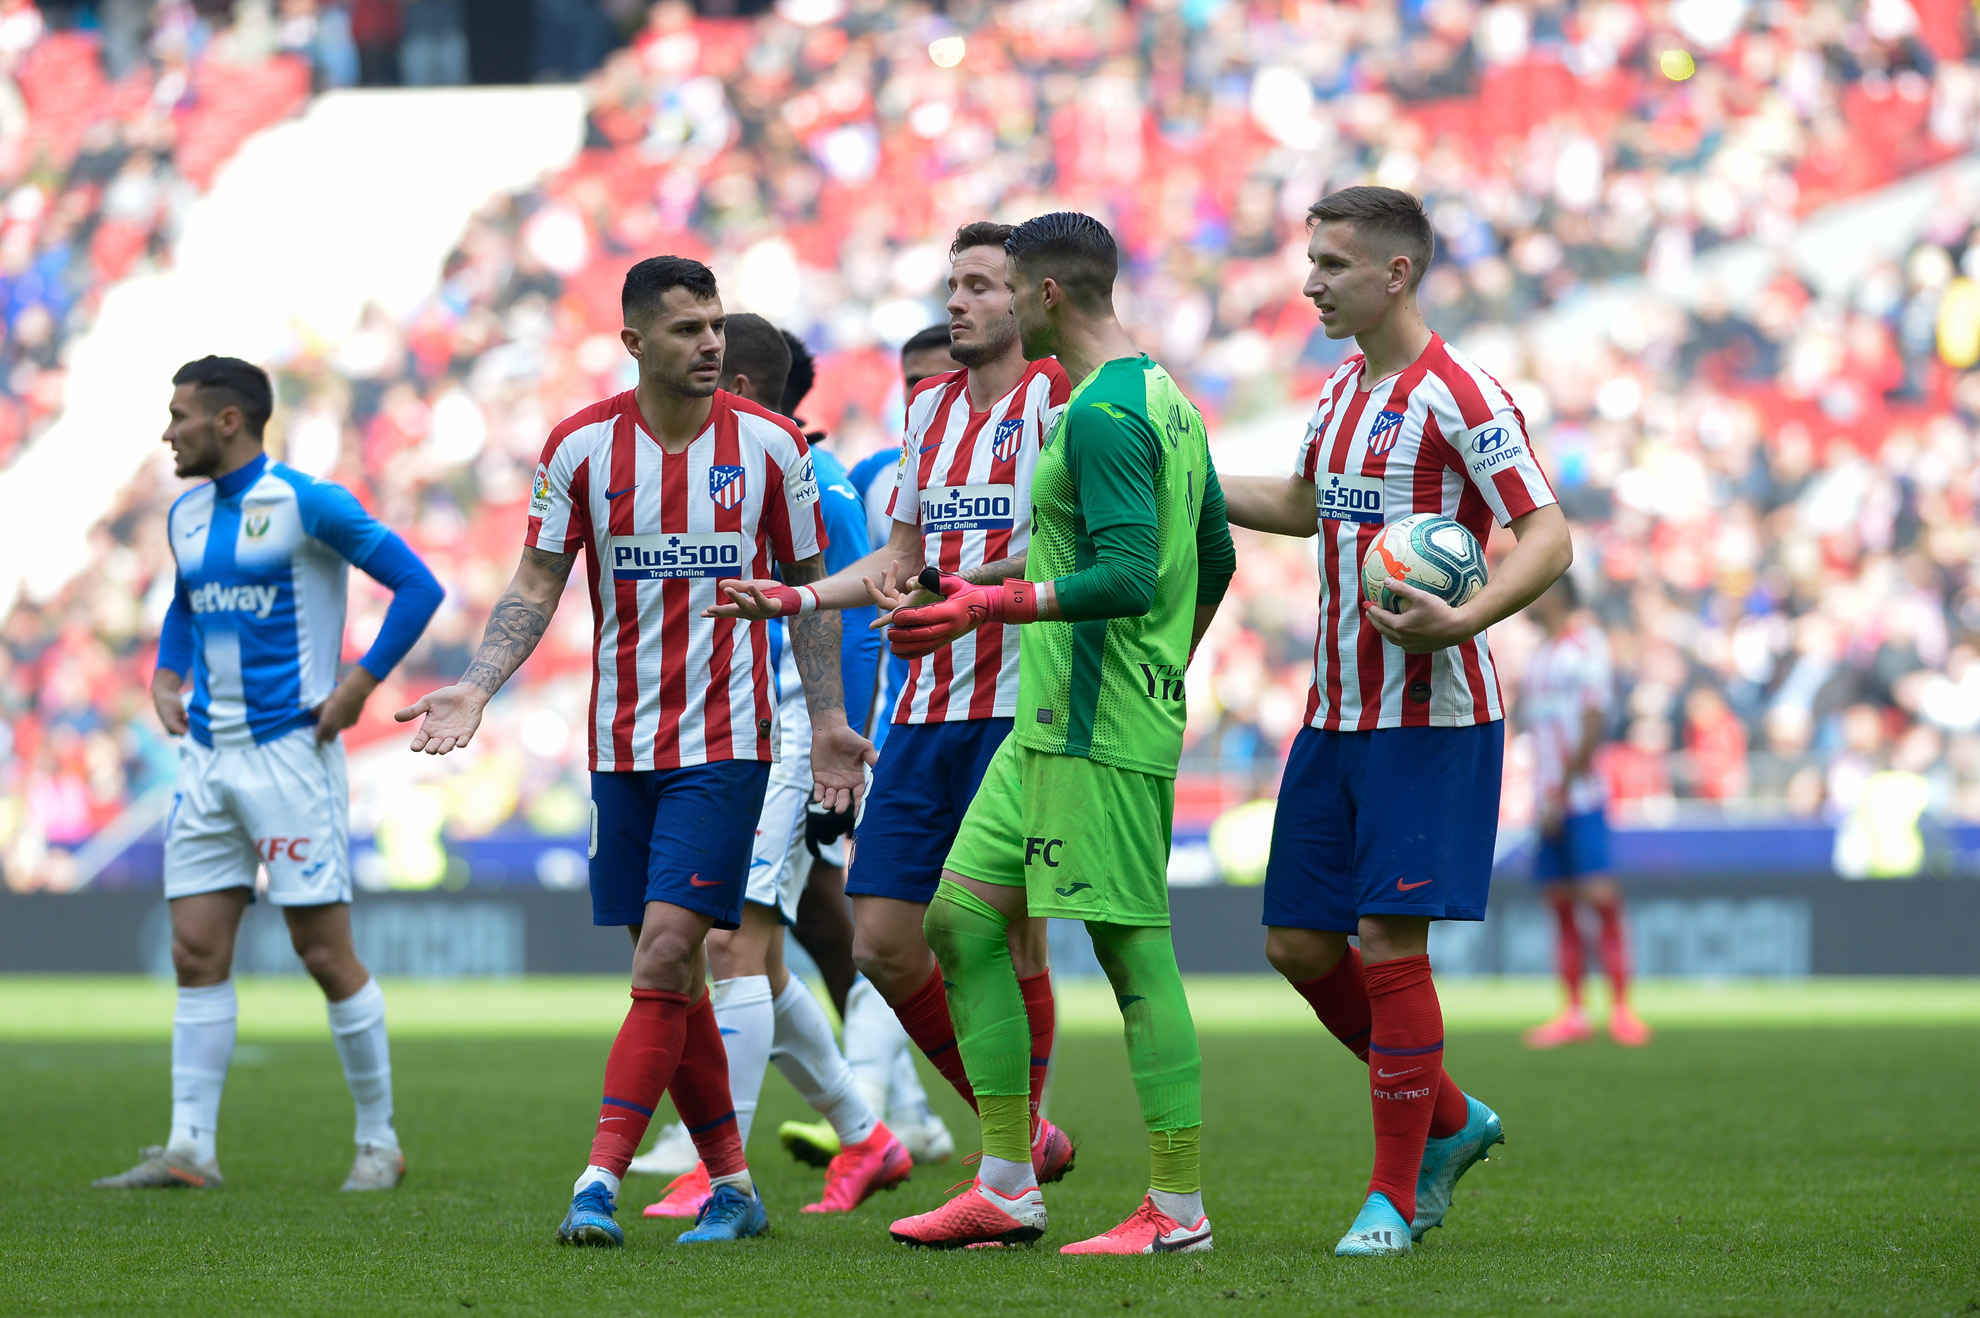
<point>725,487</point>
<point>1005,440</point>
<point>1382,436</point>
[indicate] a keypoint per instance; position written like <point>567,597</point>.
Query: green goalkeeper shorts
<point>1085,841</point>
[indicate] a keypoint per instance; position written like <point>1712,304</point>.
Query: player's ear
<point>1401,269</point>
<point>631,338</point>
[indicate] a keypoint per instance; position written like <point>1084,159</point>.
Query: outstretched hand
<point>890,593</point>
<point>755,601</point>
<point>448,718</point>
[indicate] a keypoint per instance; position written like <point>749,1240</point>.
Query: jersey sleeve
<point>1216,556</point>
<point>175,637</point>
<point>1498,456</point>
<point>793,515</point>
<point>1306,461</point>
<point>555,524</point>
<point>1113,455</point>
<point>333,515</point>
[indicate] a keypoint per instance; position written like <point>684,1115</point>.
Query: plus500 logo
<point>215,598</point>
<point>968,508</point>
<point>689,554</point>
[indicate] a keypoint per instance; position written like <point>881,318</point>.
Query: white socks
<point>748,1024</point>
<point>1007,1178</point>
<point>601,1177</point>
<point>358,1025</point>
<point>1187,1209</point>
<point>203,1028</point>
<point>905,1097</point>
<point>875,1044</point>
<point>808,1056</point>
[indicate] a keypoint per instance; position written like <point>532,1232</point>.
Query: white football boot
<point>673,1154</point>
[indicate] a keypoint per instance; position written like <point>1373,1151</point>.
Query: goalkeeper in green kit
<point>1129,558</point>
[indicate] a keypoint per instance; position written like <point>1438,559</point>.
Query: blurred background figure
<point>1566,702</point>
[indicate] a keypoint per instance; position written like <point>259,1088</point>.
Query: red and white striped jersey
<point>1440,436</point>
<point>965,480</point>
<point>1567,678</point>
<point>668,686</point>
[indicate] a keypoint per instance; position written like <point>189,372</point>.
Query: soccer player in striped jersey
<point>1389,803</point>
<point>1567,696</point>
<point>962,504</point>
<point>1129,559</point>
<point>667,488</point>
<point>761,1009</point>
<point>262,554</point>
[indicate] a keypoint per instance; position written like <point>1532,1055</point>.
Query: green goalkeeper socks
<point>1173,1162</point>
<point>1161,1038</point>
<point>992,1032</point>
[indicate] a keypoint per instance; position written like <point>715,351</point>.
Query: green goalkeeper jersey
<point>1125,510</point>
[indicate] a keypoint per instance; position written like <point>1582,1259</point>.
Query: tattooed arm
<point>453,713</point>
<point>837,751</point>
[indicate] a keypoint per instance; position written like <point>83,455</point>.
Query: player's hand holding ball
<point>449,717</point>
<point>1418,576</point>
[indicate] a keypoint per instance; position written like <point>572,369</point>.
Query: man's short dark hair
<point>752,346</point>
<point>935,337</point>
<point>1073,250</point>
<point>234,383</point>
<point>1387,220</point>
<point>982,233</point>
<point>804,373</point>
<point>647,282</point>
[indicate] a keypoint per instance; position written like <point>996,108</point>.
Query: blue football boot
<point>1449,1158</point>
<point>1378,1232</point>
<point>590,1220</point>
<point>729,1214</point>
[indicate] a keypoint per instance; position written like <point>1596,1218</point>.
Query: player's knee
<point>896,966</point>
<point>196,963</point>
<point>1299,954</point>
<point>1029,955</point>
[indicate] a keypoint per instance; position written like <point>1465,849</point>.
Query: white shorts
<point>284,804</point>
<point>780,863</point>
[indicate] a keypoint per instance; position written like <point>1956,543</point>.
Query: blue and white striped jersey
<point>846,544</point>
<point>263,558</point>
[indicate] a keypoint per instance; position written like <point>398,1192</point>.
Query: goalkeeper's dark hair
<point>1387,221</point>
<point>648,282</point>
<point>1074,251</point>
<point>804,374</point>
<point>231,382</point>
<point>752,346</point>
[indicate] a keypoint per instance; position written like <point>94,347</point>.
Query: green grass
<point>1786,1150</point>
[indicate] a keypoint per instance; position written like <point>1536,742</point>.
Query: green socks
<point>1161,1038</point>
<point>1173,1164</point>
<point>987,1007</point>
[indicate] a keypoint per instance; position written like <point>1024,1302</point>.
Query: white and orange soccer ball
<point>1428,551</point>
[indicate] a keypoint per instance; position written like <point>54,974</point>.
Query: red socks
<point>1405,1062</point>
<point>1570,956</point>
<point>1043,1017</point>
<point>1340,999</point>
<point>701,1093</point>
<point>925,1016</point>
<point>641,1064</point>
<point>1613,944</point>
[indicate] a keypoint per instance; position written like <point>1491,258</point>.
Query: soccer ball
<point>1428,551</point>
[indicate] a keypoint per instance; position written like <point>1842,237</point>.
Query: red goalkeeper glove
<point>963,608</point>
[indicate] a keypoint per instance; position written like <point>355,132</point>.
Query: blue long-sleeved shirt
<point>257,616</point>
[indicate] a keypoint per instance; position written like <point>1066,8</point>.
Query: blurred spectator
<point>1772,495</point>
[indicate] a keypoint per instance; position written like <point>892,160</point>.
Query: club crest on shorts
<point>1382,436</point>
<point>1008,436</point>
<point>725,487</point>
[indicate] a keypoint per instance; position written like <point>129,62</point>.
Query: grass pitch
<point>1786,1150</point>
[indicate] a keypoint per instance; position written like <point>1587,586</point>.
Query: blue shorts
<point>674,835</point>
<point>1398,821</point>
<point>1580,851</point>
<point>922,787</point>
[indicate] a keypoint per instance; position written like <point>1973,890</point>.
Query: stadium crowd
<point>1772,501</point>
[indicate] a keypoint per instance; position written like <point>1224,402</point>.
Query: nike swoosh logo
<point>930,448</point>
<point>613,494</point>
<point>1406,887</point>
<point>1171,1246</point>
<point>700,882</point>
<point>1394,1075</point>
